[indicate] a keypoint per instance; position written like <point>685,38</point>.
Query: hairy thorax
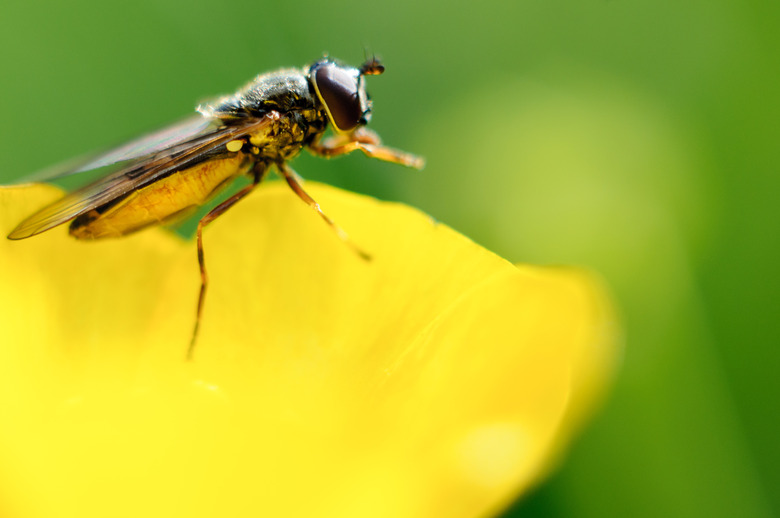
<point>284,137</point>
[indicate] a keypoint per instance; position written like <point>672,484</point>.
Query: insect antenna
<point>372,66</point>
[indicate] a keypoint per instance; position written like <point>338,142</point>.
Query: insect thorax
<point>286,92</point>
<point>284,138</point>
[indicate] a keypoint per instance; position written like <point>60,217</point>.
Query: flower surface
<point>436,379</point>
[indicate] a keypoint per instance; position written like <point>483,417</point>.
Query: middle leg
<point>292,180</point>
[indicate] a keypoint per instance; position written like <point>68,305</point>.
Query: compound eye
<point>338,89</point>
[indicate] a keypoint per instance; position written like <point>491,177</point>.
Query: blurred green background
<point>637,138</point>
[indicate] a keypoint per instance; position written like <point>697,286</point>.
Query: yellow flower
<point>435,380</point>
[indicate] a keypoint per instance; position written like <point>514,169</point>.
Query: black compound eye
<point>338,89</point>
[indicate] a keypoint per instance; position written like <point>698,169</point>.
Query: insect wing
<point>142,147</point>
<point>134,175</point>
<point>184,131</point>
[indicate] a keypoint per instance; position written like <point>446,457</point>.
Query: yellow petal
<point>435,380</point>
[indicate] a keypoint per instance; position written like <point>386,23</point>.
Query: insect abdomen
<point>161,201</point>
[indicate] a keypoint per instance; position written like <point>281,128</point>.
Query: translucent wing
<point>141,147</point>
<point>150,144</point>
<point>136,174</point>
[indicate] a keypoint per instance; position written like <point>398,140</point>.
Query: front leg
<point>369,143</point>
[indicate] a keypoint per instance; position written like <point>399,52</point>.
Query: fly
<point>161,177</point>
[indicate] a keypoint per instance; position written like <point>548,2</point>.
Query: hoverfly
<point>160,177</point>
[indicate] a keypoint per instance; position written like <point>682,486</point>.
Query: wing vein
<point>144,171</point>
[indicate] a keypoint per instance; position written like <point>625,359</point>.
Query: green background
<point>637,138</point>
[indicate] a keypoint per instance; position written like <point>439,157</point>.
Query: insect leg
<point>292,179</point>
<point>257,176</point>
<point>369,143</point>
